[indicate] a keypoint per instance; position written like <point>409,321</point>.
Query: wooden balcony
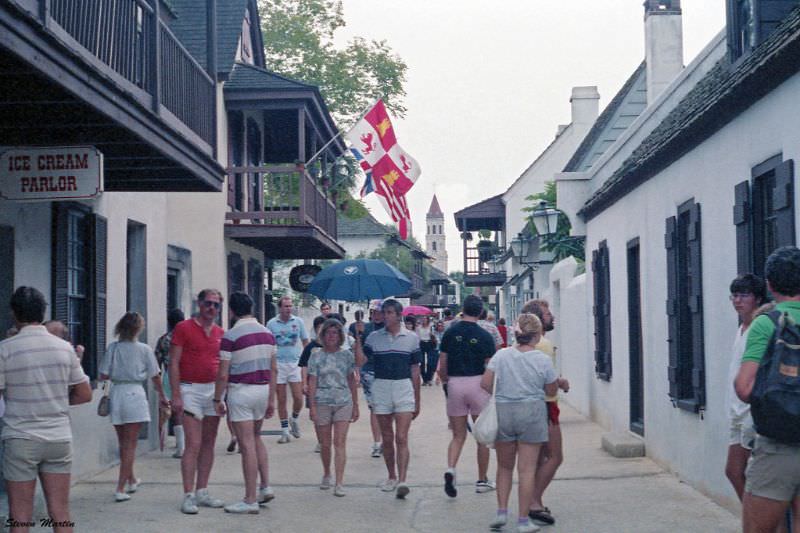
<point>109,73</point>
<point>294,218</point>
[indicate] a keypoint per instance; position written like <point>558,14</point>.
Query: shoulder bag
<point>104,405</point>
<point>485,428</point>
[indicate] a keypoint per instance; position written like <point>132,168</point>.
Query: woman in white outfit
<point>128,363</point>
<point>524,376</point>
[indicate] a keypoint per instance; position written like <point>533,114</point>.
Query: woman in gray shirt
<point>128,364</point>
<point>524,376</point>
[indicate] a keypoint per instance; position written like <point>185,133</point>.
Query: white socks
<point>179,441</point>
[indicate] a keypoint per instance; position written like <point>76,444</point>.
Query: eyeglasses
<point>209,303</point>
<point>741,295</point>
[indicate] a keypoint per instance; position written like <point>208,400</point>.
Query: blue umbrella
<point>355,280</point>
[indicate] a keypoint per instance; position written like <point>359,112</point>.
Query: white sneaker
<point>189,506</point>
<point>294,427</point>
<point>121,497</point>
<point>284,438</point>
<point>204,499</point>
<point>338,490</point>
<point>130,488</point>
<point>484,486</point>
<point>377,449</point>
<point>318,448</point>
<point>325,484</point>
<point>528,527</point>
<point>242,508</point>
<point>402,491</point>
<point>499,521</point>
<point>388,485</point>
<point>265,495</point>
<point>177,454</point>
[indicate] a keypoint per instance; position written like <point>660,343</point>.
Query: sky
<point>489,82</point>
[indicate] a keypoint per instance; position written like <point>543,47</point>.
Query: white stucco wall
<point>691,446</point>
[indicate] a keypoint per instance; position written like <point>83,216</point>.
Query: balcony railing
<point>127,36</point>
<point>290,198</point>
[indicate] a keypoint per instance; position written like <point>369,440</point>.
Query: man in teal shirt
<point>773,473</point>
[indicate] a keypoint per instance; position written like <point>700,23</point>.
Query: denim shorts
<point>367,378</point>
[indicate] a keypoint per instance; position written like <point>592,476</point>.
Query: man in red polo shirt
<point>194,360</point>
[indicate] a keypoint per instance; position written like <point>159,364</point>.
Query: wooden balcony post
<point>155,58</point>
<point>211,53</point>
<point>301,134</point>
<point>44,12</point>
<point>303,187</point>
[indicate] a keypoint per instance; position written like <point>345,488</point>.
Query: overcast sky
<point>489,82</point>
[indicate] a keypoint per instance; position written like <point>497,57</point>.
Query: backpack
<point>775,400</point>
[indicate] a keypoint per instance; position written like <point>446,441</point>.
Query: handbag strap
<point>107,385</point>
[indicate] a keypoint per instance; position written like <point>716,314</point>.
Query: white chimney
<point>585,104</point>
<point>663,44</point>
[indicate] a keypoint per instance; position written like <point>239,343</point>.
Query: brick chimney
<point>663,44</point>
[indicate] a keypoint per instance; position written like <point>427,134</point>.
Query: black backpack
<point>775,400</point>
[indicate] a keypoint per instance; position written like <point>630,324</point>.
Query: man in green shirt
<point>773,473</point>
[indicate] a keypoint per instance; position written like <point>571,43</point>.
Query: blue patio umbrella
<point>356,280</point>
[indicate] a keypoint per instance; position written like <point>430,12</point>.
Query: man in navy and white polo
<point>395,355</point>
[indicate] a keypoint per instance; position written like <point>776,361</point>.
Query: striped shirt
<point>393,355</point>
<point>249,347</point>
<point>36,371</point>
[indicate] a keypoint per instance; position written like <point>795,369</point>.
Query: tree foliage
<point>298,43</point>
<point>560,243</point>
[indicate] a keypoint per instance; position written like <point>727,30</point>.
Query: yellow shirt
<point>547,347</point>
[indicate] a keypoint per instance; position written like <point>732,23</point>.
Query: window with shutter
<point>686,367</point>
<point>602,311</point>
<point>763,214</point>
<point>79,286</point>
<point>236,159</point>
<point>255,284</point>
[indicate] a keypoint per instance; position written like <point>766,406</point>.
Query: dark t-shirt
<point>467,346</point>
<point>304,357</point>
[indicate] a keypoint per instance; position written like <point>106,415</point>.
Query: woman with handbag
<point>128,364</point>
<point>520,376</point>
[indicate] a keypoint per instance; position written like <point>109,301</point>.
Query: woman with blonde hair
<point>334,399</point>
<point>520,376</point>
<point>128,363</point>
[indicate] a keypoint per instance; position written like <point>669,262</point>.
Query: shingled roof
<point>365,226</point>
<point>190,26</point>
<point>246,76</point>
<point>602,134</point>
<point>725,92</point>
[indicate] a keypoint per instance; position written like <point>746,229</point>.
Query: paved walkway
<point>592,492</point>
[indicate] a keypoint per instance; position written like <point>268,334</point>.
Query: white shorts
<point>743,434</point>
<point>391,396</point>
<point>289,373</point>
<point>247,402</point>
<point>198,399</point>
<point>129,404</point>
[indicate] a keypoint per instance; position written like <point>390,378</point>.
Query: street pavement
<point>592,492</point>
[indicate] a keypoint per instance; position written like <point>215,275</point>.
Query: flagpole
<point>308,163</point>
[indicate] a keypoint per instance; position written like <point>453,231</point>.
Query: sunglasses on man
<point>209,303</point>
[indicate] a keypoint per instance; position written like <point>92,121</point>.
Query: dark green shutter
<point>673,333</point>
<point>741,219</point>
<point>783,204</point>
<point>602,312</point>
<point>696,307</point>
<point>60,227</point>
<point>98,243</point>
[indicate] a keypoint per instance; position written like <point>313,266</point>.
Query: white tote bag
<point>485,427</point>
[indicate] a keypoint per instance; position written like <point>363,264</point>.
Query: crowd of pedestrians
<point>251,371</point>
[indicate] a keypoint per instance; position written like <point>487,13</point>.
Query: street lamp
<point>545,219</point>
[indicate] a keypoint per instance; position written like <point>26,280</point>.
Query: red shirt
<point>200,355</point>
<point>504,335</point>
